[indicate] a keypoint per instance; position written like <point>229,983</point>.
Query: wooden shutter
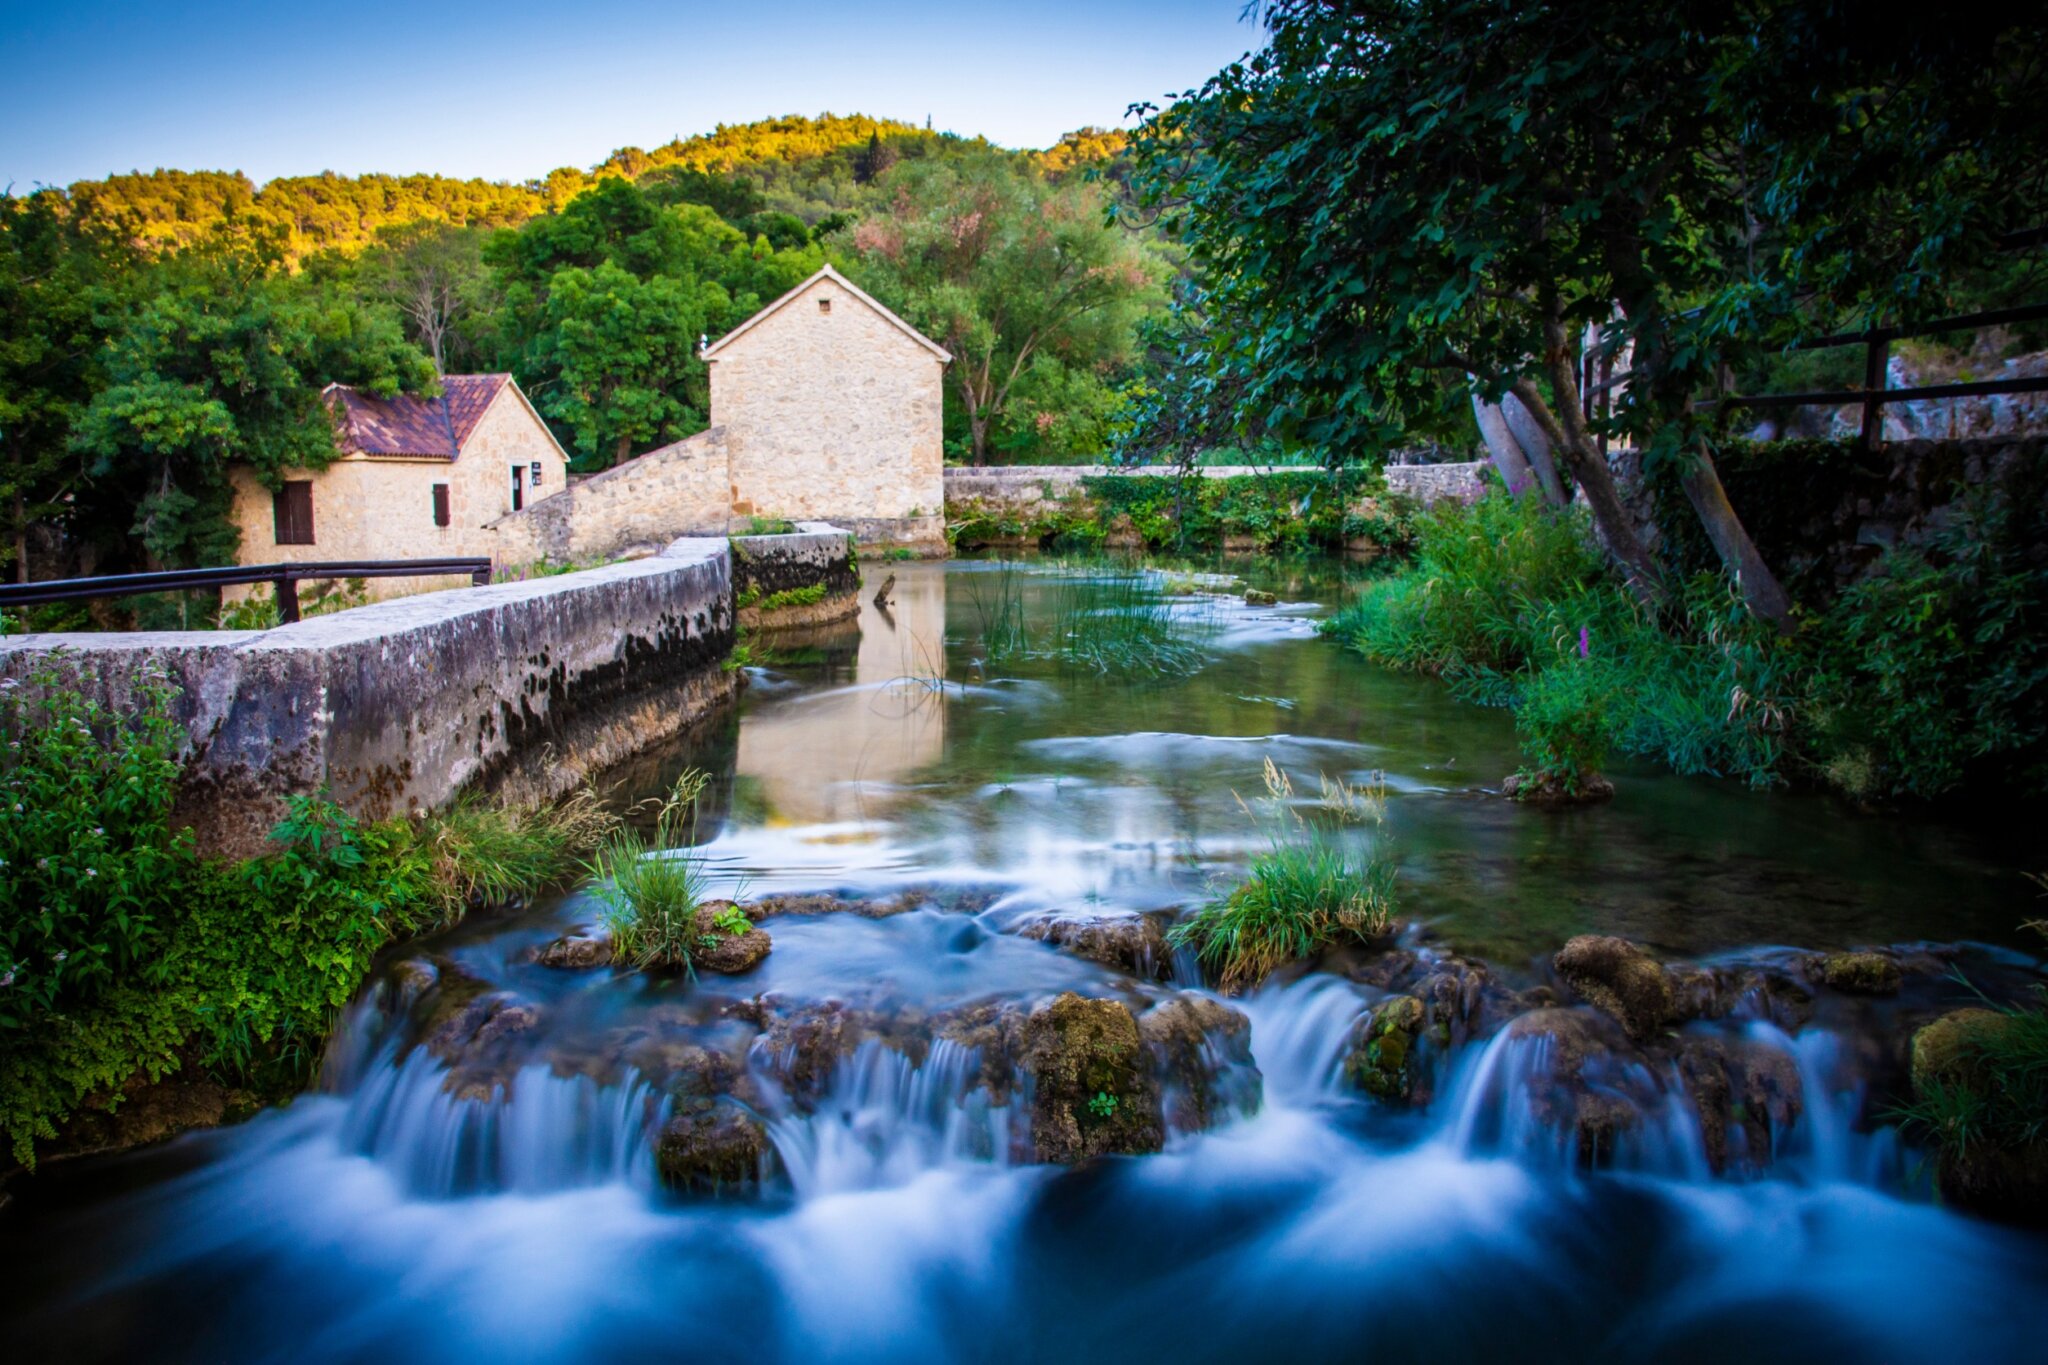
<point>291,511</point>
<point>440,504</point>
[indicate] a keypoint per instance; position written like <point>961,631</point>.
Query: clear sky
<point>511,89</point>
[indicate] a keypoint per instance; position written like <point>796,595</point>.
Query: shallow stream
<point>503,1202</point>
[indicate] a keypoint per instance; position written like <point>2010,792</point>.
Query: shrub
<point>1936,664</point>
<point>86,845</point>
<point>1311,887</point>
<point>130,956</point>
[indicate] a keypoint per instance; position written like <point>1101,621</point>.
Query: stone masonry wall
<point>524,689</point>
<point>1022,487</point>
<point>383,508</point>
<point>830,413</point>
<point>768,570</point>
<point>677,490</point>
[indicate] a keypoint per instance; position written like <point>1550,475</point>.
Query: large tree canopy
<point>1393,189</point>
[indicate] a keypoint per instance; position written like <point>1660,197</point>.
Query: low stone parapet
<point>805,578</point>
<point>521,689</point>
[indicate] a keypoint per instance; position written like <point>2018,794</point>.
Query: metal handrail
<point>286,577</point>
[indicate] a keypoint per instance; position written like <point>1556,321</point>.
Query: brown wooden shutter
<point>291,511</point>
<point>440,504</point>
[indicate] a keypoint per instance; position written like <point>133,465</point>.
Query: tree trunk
<point>20,539</point>
<point>1528,434</point>
<point>1761,591</point>
<point>1595,480</point>
<point>1502,446</point>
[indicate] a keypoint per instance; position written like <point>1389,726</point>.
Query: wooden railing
<point>286,577</point>
<point>1877,345</point>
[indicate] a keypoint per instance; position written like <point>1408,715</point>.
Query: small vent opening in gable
<point>824,305</point>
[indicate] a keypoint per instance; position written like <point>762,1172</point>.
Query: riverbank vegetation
<point>1277,511</point>
<point>1928,674</point>
<point>127,957</point>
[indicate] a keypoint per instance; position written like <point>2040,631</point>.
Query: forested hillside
<point>163,326</point>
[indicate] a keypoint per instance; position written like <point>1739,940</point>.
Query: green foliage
<point>651,886</point>
<point>1935,666</point>
<point>222,363</point>
<point>1004,268</point>
<point>1314,885</point>
<point>1102,1105</point>
<point>1511,603</point>
<point>129,956</point>
<point>1280,510</point>
<point>85,843</point>
<point>788,597</point>
<point>1117,625</point>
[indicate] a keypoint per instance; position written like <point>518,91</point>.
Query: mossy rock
<point>1203,1048</point>
<point>1620,980</point>
<point>719,950</point>
<point>709,1146</point>
<point>1092,1096</point>
<point>1993,1177</point>
<point>1382,1059</point>
<point>1857,973</point>
<point>1256,597</point>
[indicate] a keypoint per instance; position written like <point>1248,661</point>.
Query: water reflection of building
<point>843,752</point>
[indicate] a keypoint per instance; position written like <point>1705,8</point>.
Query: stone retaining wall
<point>806,578</point>
<point>678,490</point>
<point>1021,487</point>
<point>522,689</point>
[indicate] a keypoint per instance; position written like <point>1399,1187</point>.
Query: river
<point>503,1203</point>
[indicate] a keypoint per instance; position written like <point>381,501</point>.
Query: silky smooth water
<point>384,1218</point>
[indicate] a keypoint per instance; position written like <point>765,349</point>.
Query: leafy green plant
<point>1102,1105</point>
<point>1312,886</point>
<point>770,526</point>
<point>129,956</point>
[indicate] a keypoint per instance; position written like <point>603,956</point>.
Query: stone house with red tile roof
<point>417,478</point>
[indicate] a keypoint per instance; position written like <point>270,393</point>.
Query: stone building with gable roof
<point>416,478</point>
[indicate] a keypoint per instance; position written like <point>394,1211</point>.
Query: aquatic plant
<point>998,600</point>
<point>1122,625</point>
<point>651,886</point>
<point>488,854</point>
<point>1314,885</point>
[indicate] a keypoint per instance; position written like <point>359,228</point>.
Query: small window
<point>533,475</point>
<point>440,504</point>
<point>518,487</point>
<point>824,305</point>
<point>291,512</point>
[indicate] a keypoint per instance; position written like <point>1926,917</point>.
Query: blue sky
<point>511,89</point>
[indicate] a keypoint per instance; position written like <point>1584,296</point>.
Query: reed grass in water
<point>1316,884</point>
<point>651,885</point>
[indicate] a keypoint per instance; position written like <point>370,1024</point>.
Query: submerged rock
<point>575,952</point>
<point>1548,790</point>
<point>1592,1085</point>
<point>1745,1094</point>
<point>719,949</point>
<point>709,1146</point>
<point>1091,1096</point>
<point>1203,1049</point>
<point>1857,973</point>
<point>1615,976</point>
<point>1126,943</point>
<point>1382,1059</point>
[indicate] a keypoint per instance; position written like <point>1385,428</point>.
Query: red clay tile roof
<point>433,428</point>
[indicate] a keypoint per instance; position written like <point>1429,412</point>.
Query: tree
<point>625,353</point>
<point>1393,188</point>
<point>1001,268</point>
<point>433,274</point>
<point>60,277</point>
<point>221,361</point>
